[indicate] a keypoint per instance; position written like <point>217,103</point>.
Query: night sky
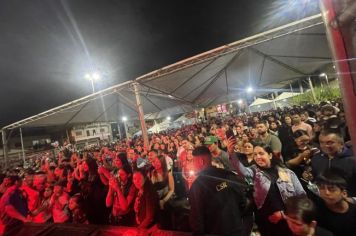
<point>46,47</point>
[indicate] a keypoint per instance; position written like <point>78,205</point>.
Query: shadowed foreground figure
<point>216,197</point>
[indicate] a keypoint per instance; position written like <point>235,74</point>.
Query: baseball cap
<point>210,140</point>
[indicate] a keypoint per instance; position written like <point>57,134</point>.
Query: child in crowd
<point>76,207</point>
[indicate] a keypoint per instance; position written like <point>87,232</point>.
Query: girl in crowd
<point>163,183</point>
<point>146,201</point>
<point>273,184</point>
<point>119,161</point>
<point>188,169</point>
<point>120,197</point>
<point>93,192</point>
<point>247,156</point>
<point>76,206</point>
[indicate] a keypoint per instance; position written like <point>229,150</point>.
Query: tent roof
<point>286,95</point>
<point>260,101</point>
<point>267,61</point>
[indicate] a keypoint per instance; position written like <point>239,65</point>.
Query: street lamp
<point>168,118</point>
<point>95,76</point>
<point>239,101</point>
<point>249,89</point>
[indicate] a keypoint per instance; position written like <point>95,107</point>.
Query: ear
<point>344,193</point>
<point>270,156</point>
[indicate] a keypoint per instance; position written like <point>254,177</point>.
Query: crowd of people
<point>281,172</point>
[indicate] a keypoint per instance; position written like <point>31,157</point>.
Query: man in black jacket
<point>335,154</point>
<point>216,197</point>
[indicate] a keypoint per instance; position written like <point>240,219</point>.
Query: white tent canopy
<point>261,101</point>
<point>268,62</point>
<point>286,95</point>
<point>261,104</point>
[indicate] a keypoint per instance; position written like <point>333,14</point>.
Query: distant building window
<point>78,133</point>
<point>102,130</point>
<point>88,133</point>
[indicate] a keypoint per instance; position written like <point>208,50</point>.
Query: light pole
<point>95,76</point>
<point>124,119</point>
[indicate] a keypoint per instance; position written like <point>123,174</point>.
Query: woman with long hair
<point>273,185</point>
<point>120,197</point>
<point>93,192</point>
<point>146,201</point>
<point>163,183</point>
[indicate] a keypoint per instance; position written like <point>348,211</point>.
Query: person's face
<point>255,119</point>
<point>152,156</point>
<point>58,172</point>
<point>262,158</point>
<point>156,163</point>
<point>85,166</point>
<point>288,120</point>
<point>248,148</point>
<point>245,138</point>
<point>117,162</point>
<point>330,144</point>
<point>163,147</point>
<point>273,126</point>
<point>302,117</point>
<point>7,182</point>
<point>138,180</point>
<point>139,148</point>
<point>212,147</point>
<point>39,182</point>
<point>58,190</point>
<point>296,119</point>
<point>28,180</point>
<point>123,176</point>
<point>302,141</point>
<point>156,146</point>
<point>253,131</point>
<point>189,155</point>
<point>72,204</point>
<point>48,192</point>
<point>331,194</point>
<point>238,129</point>
<point>261,128</point>
<point>298,227</point>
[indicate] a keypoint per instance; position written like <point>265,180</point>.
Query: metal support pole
<point>22,147</point>
<point>125,126</point>
<point>338,43</point>
<point>141,115</point>
<point>68,137</point>
<point>4,144</point>
<point>274,101</point>
<point>300,86</point>
<point>291,88</point>
<point>312,89</point>
<point>92,85</point>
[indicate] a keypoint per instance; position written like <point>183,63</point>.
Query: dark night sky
<point>46,47</point>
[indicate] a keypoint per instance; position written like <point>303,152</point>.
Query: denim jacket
<point>287,182</point>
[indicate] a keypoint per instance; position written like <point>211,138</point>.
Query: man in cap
<point>220,156</point>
